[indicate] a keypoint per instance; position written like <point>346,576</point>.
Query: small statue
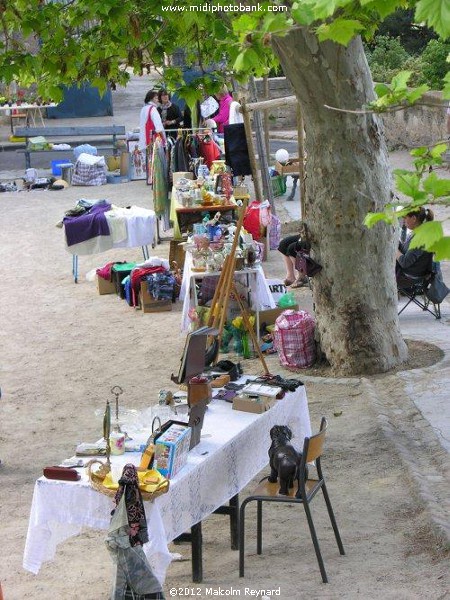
<point>284,459</point>
<point>165,398</point>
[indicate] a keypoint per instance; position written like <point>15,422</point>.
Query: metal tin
<point>117,442</point>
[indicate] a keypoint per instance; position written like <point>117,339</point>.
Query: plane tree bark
<point>347,174</point>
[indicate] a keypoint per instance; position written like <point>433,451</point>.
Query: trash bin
<point>66,172</point>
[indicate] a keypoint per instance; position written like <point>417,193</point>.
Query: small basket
<point>278,185</point>
<point>97,483</point>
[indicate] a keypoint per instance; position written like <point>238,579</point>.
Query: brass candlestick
<point>106,467</point>
<point>117,391</point>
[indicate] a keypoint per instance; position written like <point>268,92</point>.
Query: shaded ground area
<point>64,347</point>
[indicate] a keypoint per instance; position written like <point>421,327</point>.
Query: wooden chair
<point>15,114</point>
<point>268,492</point>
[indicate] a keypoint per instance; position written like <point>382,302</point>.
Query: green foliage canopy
<point>54,43</point>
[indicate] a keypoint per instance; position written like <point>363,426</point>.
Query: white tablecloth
<point>261,296</point>
<point>233,449</point>
<point>138,229</point>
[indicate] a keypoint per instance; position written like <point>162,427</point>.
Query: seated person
<point>289,246</point>
<point>415,262</point>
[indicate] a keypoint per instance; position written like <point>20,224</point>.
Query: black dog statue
<point>284,459</point>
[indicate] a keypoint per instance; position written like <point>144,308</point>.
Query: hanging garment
<point>127,533</point>
<point>236,149</point>
<point>209,150</point>
<point>160,179</point>
<point>181,157</point>
<point>236,115</point>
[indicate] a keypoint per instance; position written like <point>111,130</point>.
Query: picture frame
<point>138,161</point>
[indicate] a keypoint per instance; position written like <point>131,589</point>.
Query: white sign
<point>277,289</point>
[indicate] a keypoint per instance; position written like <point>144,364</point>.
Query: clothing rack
<point>177,130</point>
<point>190,129</point>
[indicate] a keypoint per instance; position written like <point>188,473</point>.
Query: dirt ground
<point>63,347</point>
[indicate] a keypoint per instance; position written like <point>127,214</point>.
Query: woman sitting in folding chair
<point>415,264</point>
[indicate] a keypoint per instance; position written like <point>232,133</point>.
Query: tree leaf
<point>407,183</point>
<point>436,13</point>
<point>427,234</point>
<point>416,93</point>
<point>326,8</point>
<point>422,151</point>
<point>340,30</point>
<point>372,219</point>
<point>274,22</point>
<point>400,81</point>
<point>435,186</point>
<point>438,150</point>
<point>382,7</point>
<point>381,89</point>
<point>302,13</point>
<point>441,248</point>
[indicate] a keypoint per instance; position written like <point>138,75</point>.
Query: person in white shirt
<point>236,115</point>
<point>150,120</point>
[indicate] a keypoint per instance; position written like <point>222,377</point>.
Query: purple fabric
<point>87,226</point>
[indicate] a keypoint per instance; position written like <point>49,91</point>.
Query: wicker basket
<point>97,483</point>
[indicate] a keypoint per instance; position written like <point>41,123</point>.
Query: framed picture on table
<point>138,161</point>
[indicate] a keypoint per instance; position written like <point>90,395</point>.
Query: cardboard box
<point>270,315</point>
<point>148,304</point>
<point>292,167</point>
<point>118,273</point>
<point>252,406</point>
<point>105,287</point>
<point>177,253</point>
<point>171,449</point>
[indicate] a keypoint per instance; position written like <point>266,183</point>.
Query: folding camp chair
<point>415,288</point>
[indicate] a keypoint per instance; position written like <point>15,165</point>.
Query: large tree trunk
<point>347,175</point>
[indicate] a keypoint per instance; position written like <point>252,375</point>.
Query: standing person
<point>170,113</point>
<point>223,116</point>
<point>150,120</point>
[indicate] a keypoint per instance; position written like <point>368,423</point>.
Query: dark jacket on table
<point>414,262</point>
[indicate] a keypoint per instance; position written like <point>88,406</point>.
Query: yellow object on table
<point>149,481</point>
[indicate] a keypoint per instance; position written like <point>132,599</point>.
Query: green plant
<point>434,63</point>
<point>386,53</point>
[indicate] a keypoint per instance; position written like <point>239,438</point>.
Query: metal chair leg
<point>337,535</point>
<point>315,542</point>
<point>259,527</point>
<point>242,536</point>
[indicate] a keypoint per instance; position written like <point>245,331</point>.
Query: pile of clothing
<point>94,226</point>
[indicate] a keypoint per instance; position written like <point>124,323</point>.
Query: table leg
<point>233,511</point>
<point>196,539</point>
<point>75,267</point>
<point>145,252</point>
<point>197,553</point>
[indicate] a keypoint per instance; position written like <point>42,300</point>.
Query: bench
<point>68,132</point>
